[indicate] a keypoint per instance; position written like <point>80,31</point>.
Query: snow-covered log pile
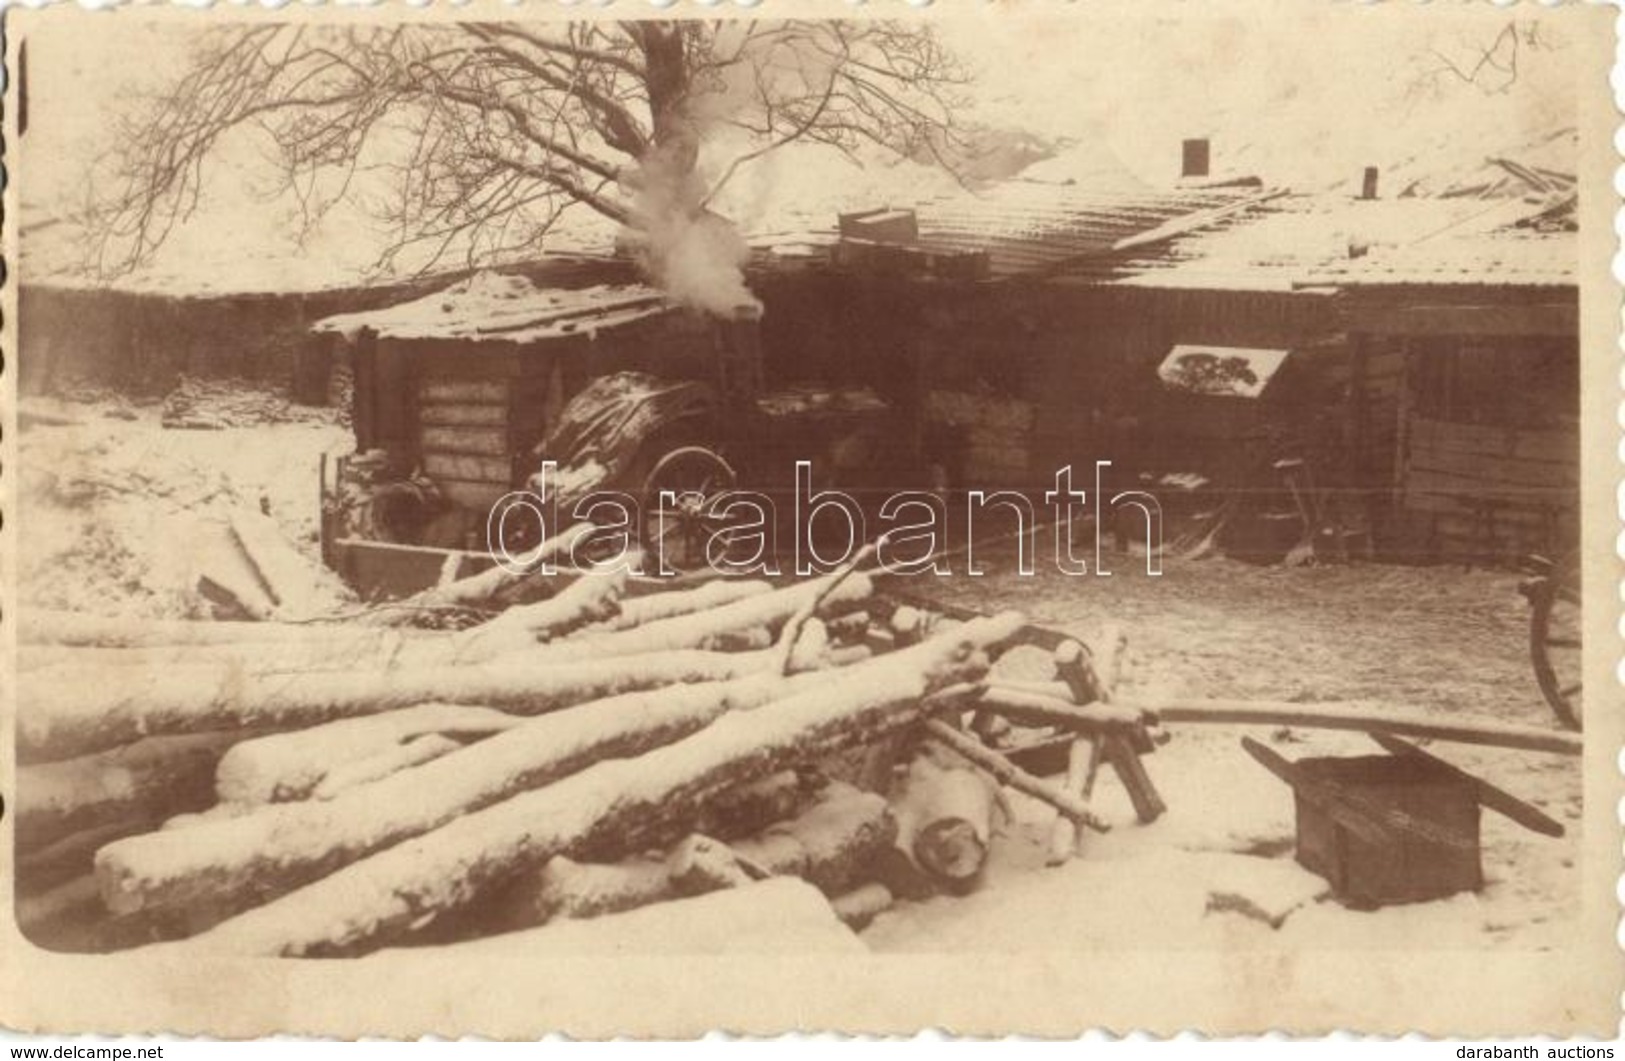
<point>287,788</point>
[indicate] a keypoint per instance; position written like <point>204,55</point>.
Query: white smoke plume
<point>693,254</point>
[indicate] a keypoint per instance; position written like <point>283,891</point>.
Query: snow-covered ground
<point>113,502</point>
<point>114,508</point>
<point>1436,638</point>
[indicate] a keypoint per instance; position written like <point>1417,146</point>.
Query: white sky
<point>1304,98</point>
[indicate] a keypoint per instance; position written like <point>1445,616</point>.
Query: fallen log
<point>833,844</point>
<point>147,781</point>
<point>944,815</point>
<point>42,626</point>
<point>700,628</point>
<point>293,766</point>
<point>587,600</point>
<point>1400,723</point>
<point>75,719</point>
<point>753,806</point>
<point>495,586</point>
<point>613,803</point>
<point>652,607</point>
<point>73,855</point>
<point>564,887</point>
<point>279,846</point>
<point>767,918</point>
<point>344,648</point>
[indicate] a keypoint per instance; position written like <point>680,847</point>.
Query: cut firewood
<point>587,600</point>
<point>147,781</point>
<point>613,803</point>
<point>292,766</point>
<point>944,813</point>
<point>1007,773</point>
<point>834,843</point>
<point>862,904</point>
<point>76,719</point>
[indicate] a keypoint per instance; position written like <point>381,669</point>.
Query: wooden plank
<point>479,441</point>
<point>1408,723</point>
<point>465,415</point>
<point>481,391</point>
<point>496,470</point>
<point>1543,444</point>
<point>1426,480</point>
<point>1498,320</point>
<point>1496,799</point>
<point>1493,469</point>
<point>471,495</point>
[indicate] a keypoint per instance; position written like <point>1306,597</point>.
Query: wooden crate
<point>1436,855</point>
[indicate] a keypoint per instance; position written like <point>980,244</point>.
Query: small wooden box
<point>1432,850</point>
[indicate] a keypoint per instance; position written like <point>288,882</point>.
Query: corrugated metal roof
<point>1028,229</point>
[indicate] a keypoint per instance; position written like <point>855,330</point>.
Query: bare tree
<point>490,131</point>
<point>1489,65</point>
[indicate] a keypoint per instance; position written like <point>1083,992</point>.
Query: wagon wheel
<point>1554,640</point>
<point>677,528</point>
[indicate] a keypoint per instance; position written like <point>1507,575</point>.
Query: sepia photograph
<point>610,521</point>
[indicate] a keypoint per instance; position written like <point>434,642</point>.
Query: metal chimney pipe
<point>1195,158</point>
<point>1368,185</point>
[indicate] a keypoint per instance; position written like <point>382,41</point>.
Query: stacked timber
<point>281,788</point>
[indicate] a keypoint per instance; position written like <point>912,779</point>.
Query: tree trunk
<point>638,611</point>
<point>587,600</point>
<point>143,782</point>
<point>233,862</point>
<point>292,766</point>
<point>611,804</point>
<point>76,719</point>
<point>944,817</point>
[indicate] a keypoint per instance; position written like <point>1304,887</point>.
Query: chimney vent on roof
<point>1195,158</point>
<point>1368,185</point>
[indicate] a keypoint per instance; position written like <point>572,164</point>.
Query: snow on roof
<point>498,307</point>
<point>1027,227</point>
<point>1487,259</point>
<point>1291,241</point>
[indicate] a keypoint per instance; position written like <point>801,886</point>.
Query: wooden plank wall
<point>463,435</point>
<point>1490,491</point>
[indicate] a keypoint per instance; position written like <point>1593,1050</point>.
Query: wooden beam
<point>1411,723</point>
<point>1560,318</point>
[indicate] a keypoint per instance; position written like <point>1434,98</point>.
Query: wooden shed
<point>1484,461</point>
<point>461,384</point>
